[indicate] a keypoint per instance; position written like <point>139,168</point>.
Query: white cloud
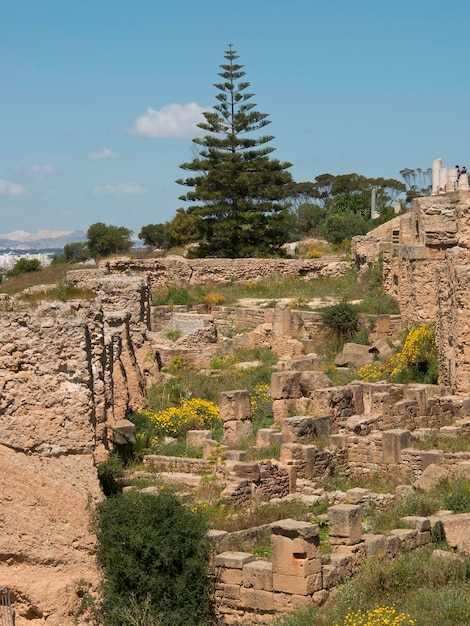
<point>11,189</point>
<point>121,189</point>
<point>40,171</point>
<point>172,120</point>
<point>105,153</point>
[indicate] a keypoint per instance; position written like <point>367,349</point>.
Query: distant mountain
<point>42,240</point>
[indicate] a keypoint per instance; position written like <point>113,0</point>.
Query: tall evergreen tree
<point>241,191</point>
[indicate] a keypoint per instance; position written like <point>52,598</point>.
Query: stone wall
<point>426,260</point>
<point>177,270</point>
<point>251,590</point>
<point>68,372</point>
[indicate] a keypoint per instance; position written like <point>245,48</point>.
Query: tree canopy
<point>339,207</point>
<point>239,189</point>
<point>104,239</point>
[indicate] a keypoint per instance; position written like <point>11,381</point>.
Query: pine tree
<point>241,191</point>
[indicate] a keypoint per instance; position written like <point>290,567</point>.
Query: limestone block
<point>354,354</point>
<point>284,408</point>
<point>286,559</point>
<point>296,584</point>
<point>431,457</point>
<point>456,528</point>
<point>306,362</point>
<point>320,597</point>
<point>257,599</point>
<point>294,529</point>
<point>424,538</point>
<point>231,592</point>
<point>431,476</point>
<point>357,495</point>
<point>285,385</point>
<point>303,429</point>
<point>407,537</point>
<point>196,438</point>
<point>122,433</point>
<point>276,437</point>
<point>420,524</point>
<point>284,602</point>
<point>210,447</point>
<point>263,437</point>
<point>249,471</point>
<point>393,442</point>
<point>382,324</point>
<point>338,441</point>
<point>311,380</point>
<point>282,320</point>
<point>345,523</point>
<point>229,576</point>
<point>234,405</point>
<point>258,575</point>
<point>381,347</point>
<point>375,545</point>
<point>234,560</point>
<point>237,430</point>
<point>237,455</point>
<point>331,576</point>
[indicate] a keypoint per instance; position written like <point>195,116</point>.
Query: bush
<point>25,266</point>
<point>108,473</point>
<point>192,414</point>
<point>342,318</point>
<point>154,555</point>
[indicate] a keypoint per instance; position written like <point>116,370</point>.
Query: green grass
<point>222,516</point>
<point>271,288</point>
<point>446,443</point>
<point>53,274</point>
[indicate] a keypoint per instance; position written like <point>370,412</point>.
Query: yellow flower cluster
<point>193,414</point>
<point>314,253</point>
<point>259,398</point>
<point>420,345</point>
<point>380,616</point>
<point>372,372</point>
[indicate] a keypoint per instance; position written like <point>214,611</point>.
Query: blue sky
<point>99,98</point>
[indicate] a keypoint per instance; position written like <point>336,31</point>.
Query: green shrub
<point>342,318</point>
<point>25,266</point>
<point>154,553</point>
<point>108,474</point>
<point>172,295</point>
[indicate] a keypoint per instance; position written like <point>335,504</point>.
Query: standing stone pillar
<point>436,169</point>
<point>345,524</point>
<point>393,442</point>
<point>463,182</point>
<point>282,320</point>
<point>296,562</point>
<point>235,413</point>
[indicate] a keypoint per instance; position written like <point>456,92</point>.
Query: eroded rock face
<point>47,547</point>
<point>68,372</point>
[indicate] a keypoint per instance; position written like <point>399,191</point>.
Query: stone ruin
<point>70,372</point>
<point>446,179</point>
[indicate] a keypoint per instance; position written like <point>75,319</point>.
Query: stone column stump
<point>235,413</point>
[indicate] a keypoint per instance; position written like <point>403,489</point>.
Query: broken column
<point>235,413</point>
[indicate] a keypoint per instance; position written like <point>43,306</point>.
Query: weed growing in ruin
<point>416,361</point>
